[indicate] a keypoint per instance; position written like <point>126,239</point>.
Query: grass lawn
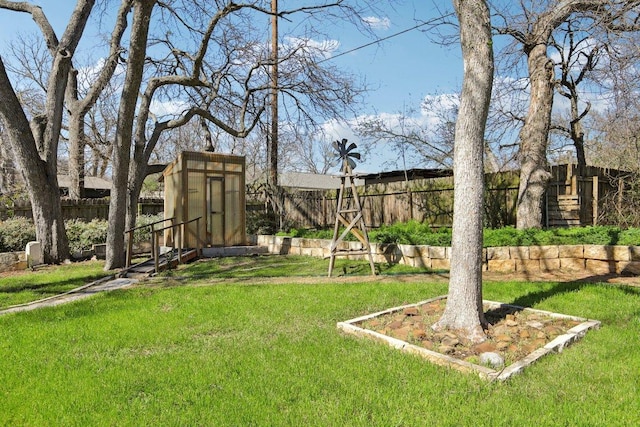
<point>188,349</point>
<point>25,286</point>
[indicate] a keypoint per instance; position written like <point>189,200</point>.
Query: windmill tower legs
<point>349,215</point>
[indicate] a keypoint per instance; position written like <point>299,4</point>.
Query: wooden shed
<point>209,186</point>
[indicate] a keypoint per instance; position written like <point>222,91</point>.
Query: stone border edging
<point>555,346</point>
<point>596,259</point>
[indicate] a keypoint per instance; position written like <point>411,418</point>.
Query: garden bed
<point>516,336</point>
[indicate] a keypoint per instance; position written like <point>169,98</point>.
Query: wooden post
<point>178,241</point>
<point>129,247</point>
<point>155,249</point>
<point>594,199</point>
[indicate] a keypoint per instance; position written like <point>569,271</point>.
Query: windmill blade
<point>351,146</point>
<point>336,146</point>
<point>355,155</point>
<point>351,163</point>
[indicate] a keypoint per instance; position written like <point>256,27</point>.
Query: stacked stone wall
<point>597,259</point>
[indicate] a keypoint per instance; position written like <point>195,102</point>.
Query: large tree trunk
<point>118,205</point>
<point>36,148</point>
<point>137,174</point>
<point>534,135</point>
<point>76,167</point>
<point>39,176</point>
<point>464,302</point>
<point>79,108</point>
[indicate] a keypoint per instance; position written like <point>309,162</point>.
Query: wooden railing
<point>178,232</point>
<point>177,238</point>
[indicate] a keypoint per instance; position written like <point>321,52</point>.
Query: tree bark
<point>36,147</point>
<point>39,176</point>
<point>118,205</point>
<point>534,136</point>
<point>79,107</point>
<point>464,302</point>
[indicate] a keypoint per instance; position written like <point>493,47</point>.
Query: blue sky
<point>401,70</point>
<point>406,67</point>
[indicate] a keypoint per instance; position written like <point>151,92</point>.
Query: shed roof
<point>312,181</point>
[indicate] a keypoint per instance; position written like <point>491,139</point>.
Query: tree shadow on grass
<point>49,287</point>
<point>533,298</point>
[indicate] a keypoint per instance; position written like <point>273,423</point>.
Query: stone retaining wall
<point>596,259</point>
<point>10,261</point>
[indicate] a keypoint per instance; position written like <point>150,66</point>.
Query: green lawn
<point>188,349</point>
<point>25,286</point>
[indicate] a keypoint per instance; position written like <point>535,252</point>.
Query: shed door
<point>216,211</point>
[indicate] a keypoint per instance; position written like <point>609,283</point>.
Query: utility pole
<point>273,138</point>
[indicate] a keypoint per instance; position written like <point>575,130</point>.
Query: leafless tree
<point>35,143</point>
<point>221,74</point>
<point>426,137</point>
<point>532,26</point>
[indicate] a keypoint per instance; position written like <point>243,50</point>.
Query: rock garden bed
<point>516,336</point>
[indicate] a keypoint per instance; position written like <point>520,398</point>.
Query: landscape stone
<point>498,253</point>
<point>571,251</point>
<point>419,334</point>
<point>519,252</point>
<point>484,347</point>
<point>411,311</point>
<point>503,338</point>
<point>402,333</point>
<point>543,252</point>
<point>535,324</point>
<point>427,344</point>
<point>450,341</point>
<point>491,359</point>
<point>447,349</point>
<point>572,264</point>
<point>502,345</point>
<point>396,324</point>
<point>501,265</point>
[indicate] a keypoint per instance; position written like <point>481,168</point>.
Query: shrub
<point>630,237</point>
<point>83,235</point>
<point>144,234</point>
<point>15,233</point>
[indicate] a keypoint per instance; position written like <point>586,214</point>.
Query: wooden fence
<point>83,209</point>
<point>573,198</point>
<point>424,200</point>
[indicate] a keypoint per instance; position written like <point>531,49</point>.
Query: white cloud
<point>322,48</point>
<point>377,23</point>
<point>168,108</point>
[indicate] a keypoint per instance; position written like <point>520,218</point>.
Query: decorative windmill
<point>349,210</point>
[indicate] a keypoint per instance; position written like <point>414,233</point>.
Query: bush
<point>416,233</point>
<point>412,233</point>
<point>630,237</point>
<point>83,235</point>
<point>144,234</point>
<point>15,233</point>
